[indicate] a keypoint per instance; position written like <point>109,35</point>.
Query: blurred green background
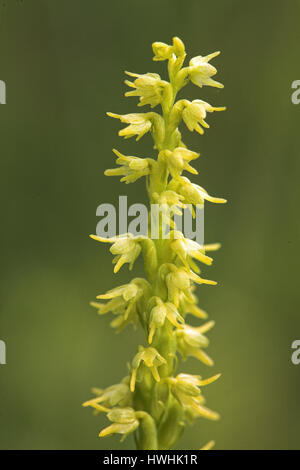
<point>63,64</point>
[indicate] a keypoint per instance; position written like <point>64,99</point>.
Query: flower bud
<point>178,47</point>
<point>161,51</point>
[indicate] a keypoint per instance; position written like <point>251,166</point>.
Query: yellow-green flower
<point>124,422</point>
<point>163,51</point>
<point>194,114</point>
<point>132,168</point>
<point>192,193</point>
<point>149,87</point>
<point>190,306</point>
<point>170,199</point>
<point>139,124</point>
<point>125,301</point>
<point>178,161</point>
<point>186,249</point>
<point>145,358</point>
<point>118,394</point>
<point>179,280</point>
<point>191,342</point>
<point>161,312</point>
<point>185,387</point>
<point>126,249</point>
<point>200,71</point>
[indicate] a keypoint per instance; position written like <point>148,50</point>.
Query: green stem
<point>147,439</point>
<point>164,341</point>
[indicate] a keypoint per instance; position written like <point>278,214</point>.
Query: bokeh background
<point>63,62</point>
